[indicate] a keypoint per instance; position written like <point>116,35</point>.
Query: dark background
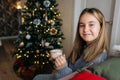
<point>8,18</point>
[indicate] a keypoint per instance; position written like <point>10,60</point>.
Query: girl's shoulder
<point>102,57</point>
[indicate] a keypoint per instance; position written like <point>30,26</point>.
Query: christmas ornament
<point>28,36</point>
<point>46,3</point>
<point>46,18</point>
<point>58,43</point>
<point>20,32</point>
<point>53,31</point>
<point>28,45</point>
<point>36,21</point>
<point>51,47</point>
<point>47,44</point>
<point>28,28</point>
<point>37,4</point>
<point>43,42</point>
<point>21,44</point>
<point>52,23</point>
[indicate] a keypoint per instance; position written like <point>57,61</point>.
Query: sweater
<point>79,64</point>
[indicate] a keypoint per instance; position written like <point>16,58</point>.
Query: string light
<point>27,56</point>
<point>24,54</point>
<point>35,56</point>
<point>28,52</point>
<point>21,51</point>
<point>37,62</point>
<point>19,56</point>
<point>43,63</point>
<point>51,8</point>
<point>34,62</point>
<point>18,3</point>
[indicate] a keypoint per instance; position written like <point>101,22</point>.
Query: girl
<point>90,45</point>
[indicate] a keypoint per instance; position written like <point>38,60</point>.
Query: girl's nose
<point>86,28</point>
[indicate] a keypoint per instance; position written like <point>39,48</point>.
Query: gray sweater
<point>79,64</point>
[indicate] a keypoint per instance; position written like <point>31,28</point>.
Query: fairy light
<point>18,3</point>
<point>21,51</point>
<point>28,52</point>
<point>51,8</point>
<point>43,63</point>
<point>19,56</point>
<point>27,56</point>
<point>37,62</point>
<point>34,62</point>
<point>24,54</point>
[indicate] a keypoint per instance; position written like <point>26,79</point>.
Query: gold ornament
<point>53,31</point>
<point>21,44</point>
<point>44,15</point>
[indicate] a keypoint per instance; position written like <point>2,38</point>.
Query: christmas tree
<point>39,32</point>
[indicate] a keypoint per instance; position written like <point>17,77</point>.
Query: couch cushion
<point>109,69</point>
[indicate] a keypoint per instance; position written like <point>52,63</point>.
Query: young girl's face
<point>89,27</point>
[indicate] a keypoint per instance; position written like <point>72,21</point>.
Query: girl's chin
<point>89,41</point>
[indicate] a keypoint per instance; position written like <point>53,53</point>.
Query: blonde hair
<point>95,48</point>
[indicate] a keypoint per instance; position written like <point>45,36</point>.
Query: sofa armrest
<point>109,69</point>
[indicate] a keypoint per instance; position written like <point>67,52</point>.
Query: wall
<point>7,60</point>
<point>8,22</point>
<point>66,8</point>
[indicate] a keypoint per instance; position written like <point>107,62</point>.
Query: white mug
<point>55,53</point>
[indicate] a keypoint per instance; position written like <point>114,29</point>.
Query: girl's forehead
<point>88,18</point>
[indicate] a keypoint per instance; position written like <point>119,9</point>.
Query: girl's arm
<point>62,68</point>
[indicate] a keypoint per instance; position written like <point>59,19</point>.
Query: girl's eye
<point>91,25</point>
<point>81,25</point>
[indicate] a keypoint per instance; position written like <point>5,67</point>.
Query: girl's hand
<point>60,61</point>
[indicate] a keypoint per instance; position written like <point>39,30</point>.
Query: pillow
<point>109,69</point>
<point>87,75</point>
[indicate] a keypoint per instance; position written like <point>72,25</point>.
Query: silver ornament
<point>46,3</point>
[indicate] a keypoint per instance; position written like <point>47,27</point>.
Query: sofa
<point>109,69</point>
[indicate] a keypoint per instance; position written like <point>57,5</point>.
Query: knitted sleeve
<point>61,72</point>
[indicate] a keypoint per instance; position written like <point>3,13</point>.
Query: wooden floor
<point>7,61</point>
